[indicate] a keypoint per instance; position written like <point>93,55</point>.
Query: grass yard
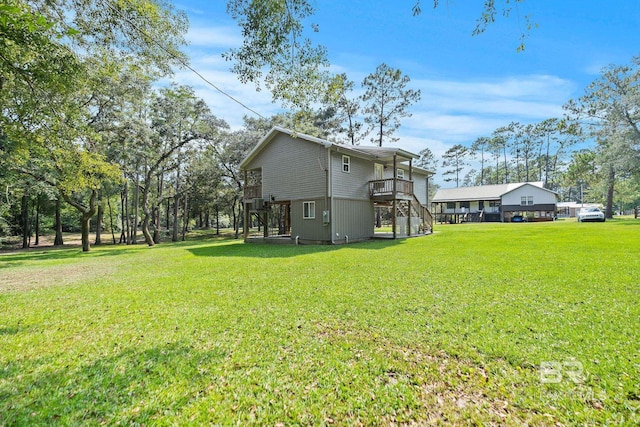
<point>501,324</point>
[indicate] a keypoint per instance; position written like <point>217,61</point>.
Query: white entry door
<point>378,171</point>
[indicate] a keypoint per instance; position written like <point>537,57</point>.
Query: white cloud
<point>449,112</point>
<point>224,37</point>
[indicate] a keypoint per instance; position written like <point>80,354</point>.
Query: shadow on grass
<point>264,250</point>
<point>14,259</point>
<point>131,387</point>
<point>12,330</point>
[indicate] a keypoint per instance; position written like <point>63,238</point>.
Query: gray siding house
<point>495,203</point>
<point>309,190</point>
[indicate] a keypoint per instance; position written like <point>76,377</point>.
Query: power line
<point>180,60</point>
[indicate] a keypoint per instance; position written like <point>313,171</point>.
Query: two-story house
<point>307,189</point>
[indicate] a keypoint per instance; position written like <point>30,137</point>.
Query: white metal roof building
<point>500,202</point>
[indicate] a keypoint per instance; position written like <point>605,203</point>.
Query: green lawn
<point>451,328</point>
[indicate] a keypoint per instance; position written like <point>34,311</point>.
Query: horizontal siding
<point>309,229</point>
<point>420,187</point>
<point>353,218</point>
<point>352,185</point>
<point>292,169</point>
<point>540,196</point>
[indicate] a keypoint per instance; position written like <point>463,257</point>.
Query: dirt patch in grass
<point>14,245</point>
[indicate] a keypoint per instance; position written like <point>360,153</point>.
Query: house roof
<point>481,192</point>
<point>380,154</point>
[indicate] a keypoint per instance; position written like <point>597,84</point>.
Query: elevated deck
<point>382,190</point>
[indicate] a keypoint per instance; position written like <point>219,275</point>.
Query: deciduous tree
<point>610,111</point>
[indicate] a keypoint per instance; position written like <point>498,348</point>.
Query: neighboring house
<point>308,189</point>
<point>495,203</point>
<point>571,209</point>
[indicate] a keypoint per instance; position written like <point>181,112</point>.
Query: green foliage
<point>451,328</point>
<point>275,50</point>
<point>386,101</point>
<point>345,108</point>
<point>454,160</point>
<point>611,109</point>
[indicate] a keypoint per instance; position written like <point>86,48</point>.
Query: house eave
<point>381,154</point>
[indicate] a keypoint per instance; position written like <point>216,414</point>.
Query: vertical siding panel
<point>354,218</point>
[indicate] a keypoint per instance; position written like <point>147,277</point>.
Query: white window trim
<point>526,200</point>
<point>346,161</point>
<point>308,210</point>
<point>400,173</point>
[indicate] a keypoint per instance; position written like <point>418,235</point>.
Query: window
<point>526,201</point>
<point>466,205</point>
<point>451,205</point>
<point>346,164</point>
<point>308,210</point>
<point>400,173</point>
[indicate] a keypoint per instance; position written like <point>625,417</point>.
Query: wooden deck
<point>391,189</point>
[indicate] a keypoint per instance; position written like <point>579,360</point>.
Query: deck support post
<point>247,220</point>
<point>395,195</point>
<point>246,223</point>
<point>265,223</point>
<point>409,218</point>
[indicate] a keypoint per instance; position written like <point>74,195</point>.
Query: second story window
<point>526,201</point>
<point>400,174</point>
<point>346,164</point>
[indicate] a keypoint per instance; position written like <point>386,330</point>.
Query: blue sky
<point>470,85</point>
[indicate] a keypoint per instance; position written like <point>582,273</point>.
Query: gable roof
<point>381,154</point>
<point>481,192</point>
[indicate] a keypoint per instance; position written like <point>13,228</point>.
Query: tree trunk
<point>158,219</point>
<point>146,212</point>
<point>136,201</point>
<point>37,222</point>
<point>148,238</point>
<point>482,167</point>
<point>156,226</point>
<point>86,223</point>
<point>168,215</point>
<point>506,166</point>
<point>127,220</point>
<point>113,233</point>
<point>123,215</point>
<point>185,217</point>
<point>58,226</point>
<point>87,213</point>
<point>176,208</point>
<point>236,221</point>
<point>610,189</point>
<point>24,218</point>
<point>99,218</point>
<point>217,221</point>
